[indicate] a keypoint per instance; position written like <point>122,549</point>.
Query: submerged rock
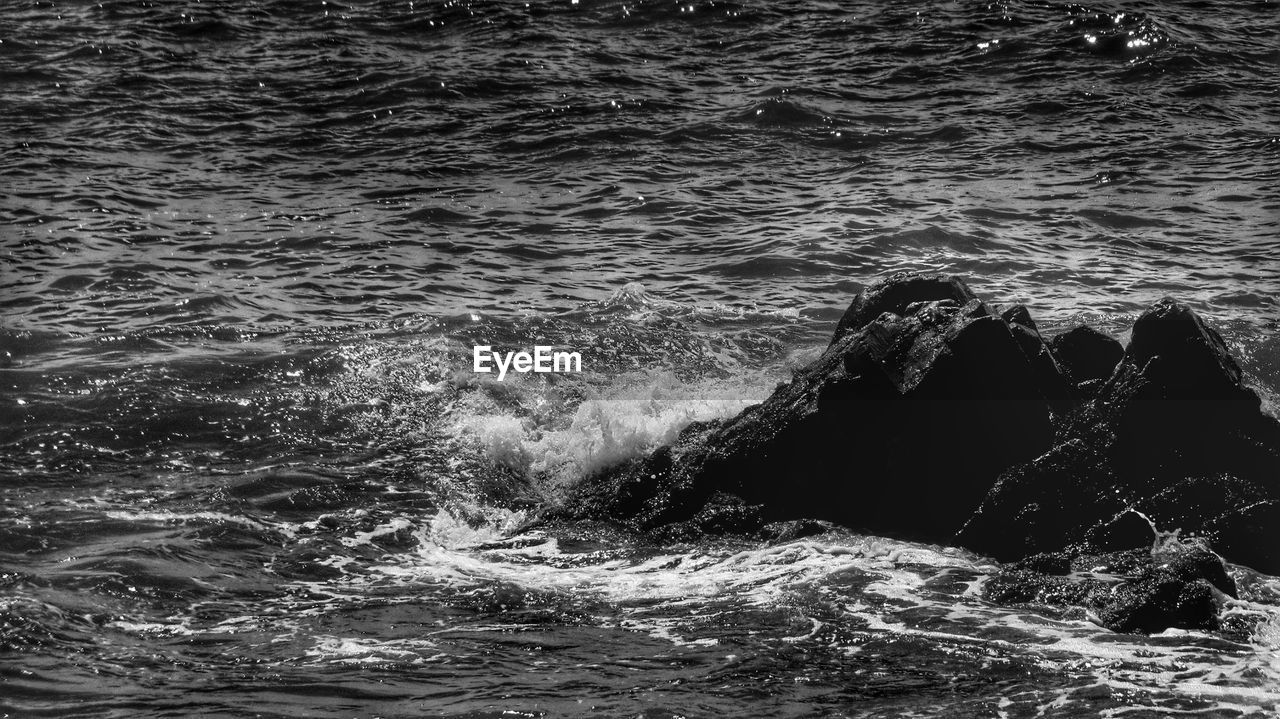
<point>1145,590</point>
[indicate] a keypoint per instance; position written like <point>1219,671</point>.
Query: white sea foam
<point>447,531</point>
<point>665,595</point>
<point>632,417</point>
<point>362,650</point>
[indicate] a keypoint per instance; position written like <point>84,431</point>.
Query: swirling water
<point>247,247</point>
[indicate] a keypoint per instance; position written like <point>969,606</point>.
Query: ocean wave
<point>639,414</point>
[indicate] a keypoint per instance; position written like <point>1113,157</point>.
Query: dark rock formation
<point>931,417</point>
<point>1086,356</point>
<point>1172,434</point>
<point>1053,382</point>
<point>1144,590</point>
<point>899,428</point>
<point>895,295</point>
<point>1247,534</point>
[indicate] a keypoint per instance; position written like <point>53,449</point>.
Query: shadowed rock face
<point>1053,381</point>
<point>1087,357</point>
<point>899,428</point>
<point>933,417</point>
<point>1172,434</point>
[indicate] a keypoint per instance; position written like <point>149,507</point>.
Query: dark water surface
<point>246,247</point>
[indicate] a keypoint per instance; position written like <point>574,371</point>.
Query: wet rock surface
<point>1086,356</point>
<point>944,394</point>
<point>896,296</point>
<point>932,416</point>
<point>1053,381</point>
<point>1148,590</point>
<point>1172,434</point>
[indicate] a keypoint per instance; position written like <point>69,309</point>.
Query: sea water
<point>247,250</point>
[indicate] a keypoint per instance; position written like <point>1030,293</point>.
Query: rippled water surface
<point>246,248</point>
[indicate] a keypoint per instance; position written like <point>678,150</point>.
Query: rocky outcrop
<point>1172,436</point>
<point>931,416</point>
<point>899,428</point>
<point>896,296</point>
